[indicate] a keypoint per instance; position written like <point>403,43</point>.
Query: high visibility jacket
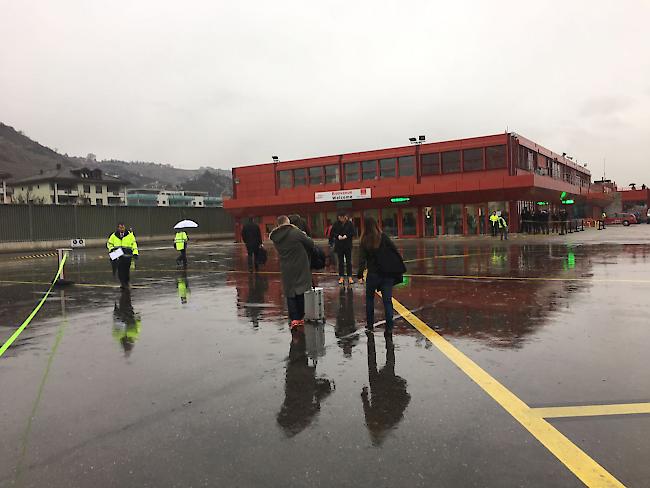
<point>180,240</point>
<point>604,215</point>
<point>502,223</point>
<point>127,243</point>
<point>494,219</point>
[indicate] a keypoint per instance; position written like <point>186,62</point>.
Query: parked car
<point>621,218</point>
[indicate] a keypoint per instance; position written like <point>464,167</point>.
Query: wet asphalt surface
<point>194,379</point>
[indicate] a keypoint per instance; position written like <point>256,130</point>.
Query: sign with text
<point>338,195</point>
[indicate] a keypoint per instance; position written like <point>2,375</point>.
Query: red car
<point>621,218</point>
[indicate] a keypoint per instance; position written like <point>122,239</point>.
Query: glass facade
<point>430,164</point>
<point>406,166</point>
<point>409,221</point>
<point>315,175</point>
<point>317,229</point>
<point>369,170</point>
<point>495,157</point>
<point>387,168</point>
<point>450,161</point>
<point>352,172</point>
<point>299,177</point>
<point>453,215</point>
<point>285,178</point>
<point>473,159</point>
<point>389,221</point>
<point>331,174</point>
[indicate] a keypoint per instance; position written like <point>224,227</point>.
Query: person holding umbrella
<point>180,240</point>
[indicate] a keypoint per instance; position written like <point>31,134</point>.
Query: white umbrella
<point>186,224</point>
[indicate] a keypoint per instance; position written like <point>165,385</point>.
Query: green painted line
<point>27,321</point>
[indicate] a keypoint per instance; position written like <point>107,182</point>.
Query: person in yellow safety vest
<point>494,221</point>
<point>180,243</point>
<point>122,239</point>
<point>126,323</point>
<point>503,227</point>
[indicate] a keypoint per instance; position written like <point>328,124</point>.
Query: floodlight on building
<point>275,159</point>
<point>413,140</point>
<point>421,138</point>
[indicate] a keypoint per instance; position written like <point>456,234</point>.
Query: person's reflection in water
<point>303,391</point>
<point>183,287</point>
<point>384,406</point>
<point>345,324</point>
<point>126,323</point>
<point>257,287</point>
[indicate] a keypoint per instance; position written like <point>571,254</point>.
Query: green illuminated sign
<point>563,196</point>
<point>542,203</point>
<point>399,199</point>
<point>568,202</point>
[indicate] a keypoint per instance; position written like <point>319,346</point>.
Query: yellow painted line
<point>592,410</point>
<point>577,461</point>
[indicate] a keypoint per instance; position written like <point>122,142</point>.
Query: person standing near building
<point>494,221</point>
<point>252,237</point>
<point>379,256</point>
<point>503,227</point>
<point>342,234</point>
<point>180,243</point>
<point>124,240</point>
<point>294,249</point>
<point>301,223</point>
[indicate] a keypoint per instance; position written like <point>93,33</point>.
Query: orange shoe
<point>341,280</point>
<point>351,280</point>
<point>296,323</point>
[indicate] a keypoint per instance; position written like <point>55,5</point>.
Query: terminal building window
<point>386,168</point>
<point>453,219</point>
<point>451,162</point>
<point>316,175</point>
<point>495,157</point>
<point>352,172</point>
<point>299,177</point>
<point>389,221</point>
<point>430,164</point>
<point>285,178</point>
<point>473,159</point>
<point>406,166</point>
<point>331,174</point>
<point>369,170</point>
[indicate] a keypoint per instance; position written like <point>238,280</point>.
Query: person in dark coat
<point>382,276</point>
<point>252,237</point>
<point>342,234</point>
<point>294,249</point>
<point>301,223</point>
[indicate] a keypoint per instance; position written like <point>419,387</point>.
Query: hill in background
<point>22,157</point>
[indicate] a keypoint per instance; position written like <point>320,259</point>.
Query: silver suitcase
<point>315,305</point>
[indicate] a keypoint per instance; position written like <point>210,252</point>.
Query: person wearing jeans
<point>385,267</point>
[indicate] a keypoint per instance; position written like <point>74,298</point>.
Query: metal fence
<point>20,223</point>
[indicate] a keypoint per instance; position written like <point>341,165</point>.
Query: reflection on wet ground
<point>192,378</point>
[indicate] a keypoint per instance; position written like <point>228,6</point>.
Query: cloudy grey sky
<point>228,83</point>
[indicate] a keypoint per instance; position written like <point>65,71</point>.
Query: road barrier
<point>37,223</point>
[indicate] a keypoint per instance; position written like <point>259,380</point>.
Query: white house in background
<point>147,197</point>
<point>4,195</point>
<point>81,186</point>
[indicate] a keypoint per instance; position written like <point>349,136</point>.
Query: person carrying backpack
<point>379,256</point>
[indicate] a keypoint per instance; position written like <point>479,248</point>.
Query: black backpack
<point>318,259</point>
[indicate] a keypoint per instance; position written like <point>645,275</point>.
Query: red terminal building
<point>422,190</point>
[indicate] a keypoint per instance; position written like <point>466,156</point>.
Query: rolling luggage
<point>315,305</point>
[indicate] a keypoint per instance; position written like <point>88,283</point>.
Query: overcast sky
<point>226,83</point>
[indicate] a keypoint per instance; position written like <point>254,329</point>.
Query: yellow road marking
<point>591,410</point>
<point>577,461</point>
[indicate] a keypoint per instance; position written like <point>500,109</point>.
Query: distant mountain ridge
<point>23,157</point>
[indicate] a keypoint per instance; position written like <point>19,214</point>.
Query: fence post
<point>31,223</point>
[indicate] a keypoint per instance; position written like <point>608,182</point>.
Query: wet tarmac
<point>194,379</point>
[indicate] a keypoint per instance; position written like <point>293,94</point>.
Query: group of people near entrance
<point>380,264</point>
<point>543,221</point>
